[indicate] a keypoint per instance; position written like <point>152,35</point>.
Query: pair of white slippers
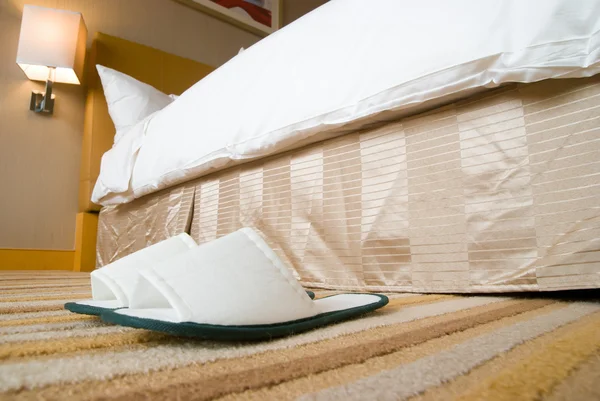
<point>232,288</point>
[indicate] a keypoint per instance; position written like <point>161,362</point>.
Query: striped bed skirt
<point>419,347</point>
<point>499,192</point>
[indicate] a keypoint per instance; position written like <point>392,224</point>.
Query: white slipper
<point>113,284</point>
<point>233,288</point>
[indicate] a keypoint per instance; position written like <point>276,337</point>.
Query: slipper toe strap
<point>117,280</point>
<point>104,288</point>
<point>234,280</point>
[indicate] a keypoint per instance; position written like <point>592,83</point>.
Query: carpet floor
<point>419,347</point>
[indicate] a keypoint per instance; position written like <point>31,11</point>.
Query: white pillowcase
<point>129,100</point>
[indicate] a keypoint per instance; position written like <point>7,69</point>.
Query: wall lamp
<point>51,48</point>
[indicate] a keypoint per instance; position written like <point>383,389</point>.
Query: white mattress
<point>348,60</point>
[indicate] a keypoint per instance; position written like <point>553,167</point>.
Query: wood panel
<point>35,259</point>
<point>85,242</point>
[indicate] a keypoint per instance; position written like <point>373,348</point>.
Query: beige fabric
<point>125,229</point>
<point>498,192</point>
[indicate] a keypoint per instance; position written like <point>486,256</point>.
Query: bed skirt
<point>496,193</point>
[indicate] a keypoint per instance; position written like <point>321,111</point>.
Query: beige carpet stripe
<point>456,387</point>
<point>226,376</point>
<point>44,286</point>
<point>42,272</point>
<point>108,364</point>
<point>65,297</point>
<point>47,292</point>
<point>410,379</point>
<point>34,328</point>
<point>542,371</point>
<point>393,295</point>
<point>50,290</point>
<point>68,276</point>
<point>51,281</point>
<point>349,373</point>
<point>38,273</point>
<point>30,306</point>
<point>27,315</point>
<point>581,384</point>
<point>70,317</point>
<point>58,346</point>
<point>6,280</point>
<point>418,299</point>
<point>397,294</point>
<point>21,338</point>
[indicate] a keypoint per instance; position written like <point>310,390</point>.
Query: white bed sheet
<point>345,61</point>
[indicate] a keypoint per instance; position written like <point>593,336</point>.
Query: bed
<point>494,192</point>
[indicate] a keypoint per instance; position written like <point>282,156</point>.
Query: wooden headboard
<point>166,72</point>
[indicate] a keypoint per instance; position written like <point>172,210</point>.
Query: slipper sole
<point>243,333</point>
<point>87,309</point>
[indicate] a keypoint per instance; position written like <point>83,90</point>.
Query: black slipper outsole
<point>243,333</point>
<point>87,309</point>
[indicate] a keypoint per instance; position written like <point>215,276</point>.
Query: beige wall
<point>39,156</point>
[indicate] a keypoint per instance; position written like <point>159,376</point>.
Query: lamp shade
<point>52,38</point>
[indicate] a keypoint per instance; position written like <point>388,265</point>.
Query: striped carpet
<point>419,347</point>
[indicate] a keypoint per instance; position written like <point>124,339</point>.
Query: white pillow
<point>129,100</point>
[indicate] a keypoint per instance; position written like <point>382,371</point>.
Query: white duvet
<point>347,60</point>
